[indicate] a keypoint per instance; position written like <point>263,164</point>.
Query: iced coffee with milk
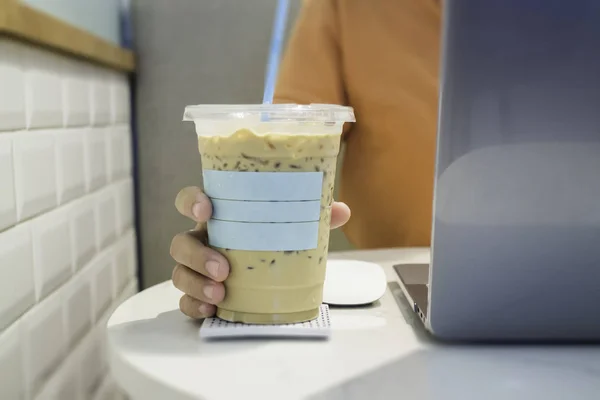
<point>269,171</point>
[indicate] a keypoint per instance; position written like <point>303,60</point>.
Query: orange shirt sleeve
<point>311,69</point>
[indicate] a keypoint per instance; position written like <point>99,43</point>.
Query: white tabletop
<point>378,352</point>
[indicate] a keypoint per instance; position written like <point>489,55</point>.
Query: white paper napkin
<point>214,328</point>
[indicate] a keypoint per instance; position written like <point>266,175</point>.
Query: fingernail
<point>204,309</point>
<point>197,210</point>
<point>208,291</point>
<point>213,268</point>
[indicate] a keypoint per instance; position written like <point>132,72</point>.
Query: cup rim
<point>271,112</point>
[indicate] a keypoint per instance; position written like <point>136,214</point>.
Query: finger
<point>195,285</point>
<point>196,309</point>
<point>186,249</point>
<point>200,232</point>
<point>193,203</point>
<point>340,214</point>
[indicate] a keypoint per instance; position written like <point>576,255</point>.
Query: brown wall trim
<point>35,26</point>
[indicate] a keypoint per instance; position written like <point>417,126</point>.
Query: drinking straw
<point>277,37</point>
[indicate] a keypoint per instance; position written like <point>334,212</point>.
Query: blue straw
<point>277,37</point>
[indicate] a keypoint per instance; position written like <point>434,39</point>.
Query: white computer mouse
<point>353,283</point>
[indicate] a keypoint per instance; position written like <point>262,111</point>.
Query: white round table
<point>376,352</point>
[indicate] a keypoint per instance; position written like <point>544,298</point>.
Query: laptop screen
<point>517,210</point>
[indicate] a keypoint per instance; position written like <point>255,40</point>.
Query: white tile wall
<point>12,380</point>
<point>124,193</point>
<point>83,231</point>
<point>63,385</point>
<point>70,182</point>
<point>44,341</point>
<point>122,264</point>
<point>108,391</point>
<point>77,307</point>
<point>16,273</point>
<point>95,154</point>
<point>106,216</point>
<point>8,205</point>
<point>67,239</point>
<point>35,181</point>
<point>131,244</point>
<point>103,282</point>
<point>76,94</point>
<point>120,97</point>
<point>12,82</point>
<point>100,96</point>
<point>51,251</point>
<point>43,88</point>
<point>119,150</point>
<point>91,364</point>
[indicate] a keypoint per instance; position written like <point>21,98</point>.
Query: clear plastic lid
<point>327,113</point>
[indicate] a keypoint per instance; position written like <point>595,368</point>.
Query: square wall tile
<point>106,216</point>
<point>108,390</point>
<point>35,172</point>
<point>102,334</point>
<point>120,99</point>
<point>12,380</point>
<point>43,335</point>
<point>125,205</point>
<point>43,88</point>
<point>76,93</point>
<point>128,149</point>
<point>17,292</point>
<point>118,153</point>
<point>8,204</point>
<point>64,384</point>
<point>12,82</point>
<point>101,275</point>
<point>131,239</point>
<point>91,365</point>
<point>77,308</point>
<point>99,96</point>
<point>122,264</point>
<point>70,181</point>
<point>131,290</point>
<point>51,251</point>
<point>95,157</point>
<point>82,216</point>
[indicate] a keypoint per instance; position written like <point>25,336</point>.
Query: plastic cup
<point>269,171</point>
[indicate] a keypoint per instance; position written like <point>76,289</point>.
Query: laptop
<point>516,221</point>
